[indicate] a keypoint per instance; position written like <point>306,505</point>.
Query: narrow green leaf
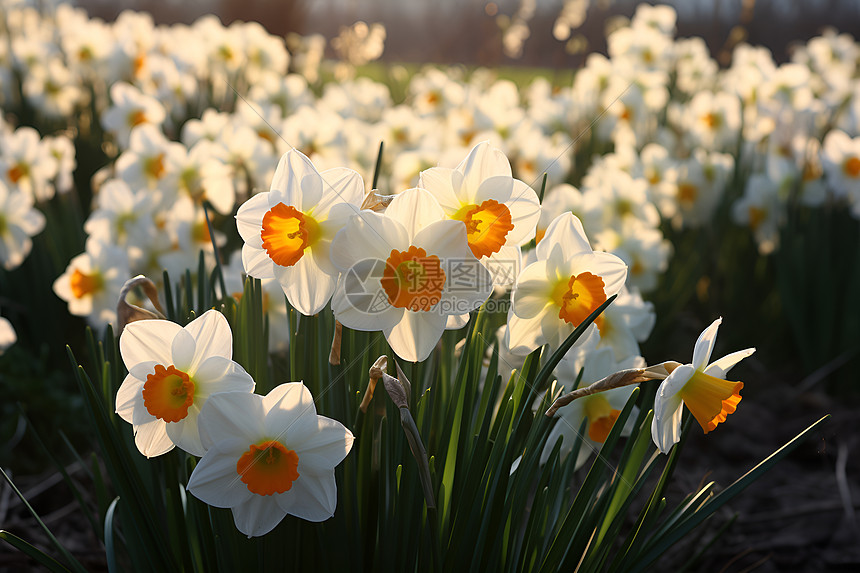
<point>32,552</point>
<point>110,547</point>
<point>75,565</point>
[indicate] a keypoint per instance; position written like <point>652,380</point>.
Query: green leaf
<point>32,552</point>
<point>75,565</point>
<point>658,546</point>
<point>110,548</point>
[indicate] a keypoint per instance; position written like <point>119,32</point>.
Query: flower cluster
<point>262,456</point>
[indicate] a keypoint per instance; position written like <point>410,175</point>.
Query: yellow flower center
<point>851,167</point>
<point>710,399</point>
<point>268,467</point>
<point>487,225</point>
<point>136,118</point>
<point>578,297</point>
<point>412,279</point>
<point>84,284</point>
<point>168,393</point>
<point>601,417</point>
<point>757,216</point>
<point>687,193</point>
<point>712,120</point>
<point>17,172</point>
<point>154,166</point>
<point>286,233</point>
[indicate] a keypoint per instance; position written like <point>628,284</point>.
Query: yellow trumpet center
<point>601,417</point>
<point>710,399</point>
<point>487,225</point>
<point>578,297</point>
<point>83,284</point>
<point>268,467</point>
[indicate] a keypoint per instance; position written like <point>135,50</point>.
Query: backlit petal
<point>705,345</point>
<point>719,368</point>
<point>148,340</point>
<point>415,336</point>
<point>414,209</point>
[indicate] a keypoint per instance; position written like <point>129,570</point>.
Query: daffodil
<point>288,230</point>
<point>172,371</point>
<point>406,272</point>
<point>556,293</point>
<point>500,212</point>
<point>269,456</point>
<point>700,386</point>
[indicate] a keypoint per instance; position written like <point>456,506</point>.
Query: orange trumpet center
<point>412,279</point>
<point>268,467</point>
<point>578,297</point>
<point>286,233</point>
<point>83,284</point>
<point>168,393</point>
<point>487,225</point>
<point>601,417</point>
<point>710,399</point>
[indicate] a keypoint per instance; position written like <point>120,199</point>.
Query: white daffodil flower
<point>700,386</point>
<point>288,230</point>
<point>557,292</point>
<point>172,371</point>
<point>406,272</point>
<point>269,456</point>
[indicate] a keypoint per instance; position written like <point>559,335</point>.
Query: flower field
<point>229,265</point>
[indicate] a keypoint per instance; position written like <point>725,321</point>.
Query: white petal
<point>360,303</point>
<point>607,266</point>
<point>257,263</point>
<point>258,515</point>
<point>666,426</point>
<point>705,345</point>
<point>438,182</point>
<point>367,235</point>
<point>505,265</point>
<point>290,413</point>
<point>307,286</point>
<point>719,368</point>
<point>313,498</point>
<point>151,438</point>
<point>214,479</point>
<point>525,212</point>
<point>249,219</point>
<point>414,209</point>
<point>483,162</point>
<point>213,336</point>
<point>523,335</point>
<point>415,336</point>
<point>128,395</point>
<point>566,233</point>
<point>533,291</point>
<point>323,448</point>
<point>148,340</point>
<point>340,185</point>
<point>457,321</point>
<point>287,183</point>
<point>231,415</point>
<point>182,350</point>
<point>186,434</point>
